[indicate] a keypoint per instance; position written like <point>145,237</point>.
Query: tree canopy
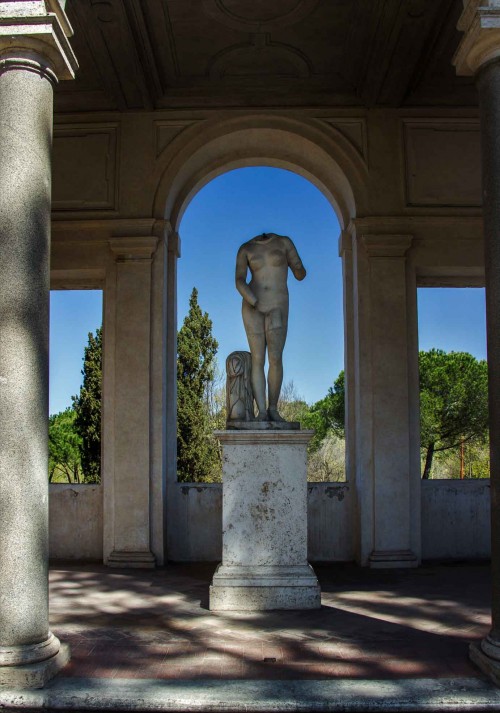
<point>327,415</point>
<point>87,407</point>
<point>453,401</point>
<point>197,451</point>
<point>64,446</point>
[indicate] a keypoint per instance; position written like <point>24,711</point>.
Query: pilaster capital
<point>345,243</point>
<point>387,245</point>
<point>480,23</point>
<point>174,244</point>
<point>133,249</point>
<point>34,35</point>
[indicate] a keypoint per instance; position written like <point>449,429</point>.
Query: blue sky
<point>228,211</point>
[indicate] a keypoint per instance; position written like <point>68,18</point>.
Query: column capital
<point>387,245</point>
<point>133,249</point>
<point>34,35</point>
<point>480,23</point>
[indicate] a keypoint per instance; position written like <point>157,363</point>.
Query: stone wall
<point>75,522</point>
<point>455,521</point>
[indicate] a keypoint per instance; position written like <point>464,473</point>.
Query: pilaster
<point>129,508</point>
<point>388,508</point>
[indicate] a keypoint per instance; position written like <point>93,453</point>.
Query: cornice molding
<point>133,249</point>
<point>387,245</point>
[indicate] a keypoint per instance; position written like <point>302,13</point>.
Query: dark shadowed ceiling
<point>147,54</point>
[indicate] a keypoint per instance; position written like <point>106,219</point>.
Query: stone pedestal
<point>264,514</point>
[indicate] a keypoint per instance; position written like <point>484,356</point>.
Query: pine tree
<point>197,453</point>
<point>88,409</point>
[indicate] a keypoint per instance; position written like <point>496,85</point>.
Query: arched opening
<point>318,153</point>
<point>223,215</point>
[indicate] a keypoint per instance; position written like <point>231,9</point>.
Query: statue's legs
<point>276,330</point>
<point>254,323</point>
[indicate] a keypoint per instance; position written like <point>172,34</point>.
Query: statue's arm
<point>241,278</point>
<point>294,261</point>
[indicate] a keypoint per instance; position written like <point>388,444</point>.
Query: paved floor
<point>373,624</point>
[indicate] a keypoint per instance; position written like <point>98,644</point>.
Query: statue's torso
<point>268,263</point>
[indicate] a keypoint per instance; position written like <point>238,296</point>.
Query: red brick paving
<point>372,624</point>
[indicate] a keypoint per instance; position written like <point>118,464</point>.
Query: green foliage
<point>198,457</point>
<point>64,447</point>
<point>87,406</point>
<point>453,401</point>
<point>291,406</point>
<point>327,415</point>
<point>327,463</point>
<point>476,461</point>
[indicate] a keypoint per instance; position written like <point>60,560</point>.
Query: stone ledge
<point>207,696</point>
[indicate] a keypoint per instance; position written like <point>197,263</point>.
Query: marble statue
<point>265,312</point>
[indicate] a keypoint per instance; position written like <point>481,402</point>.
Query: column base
<point>392,559</point>
<point>34,675</point>
<point>488,665</point>
<point>135,560</point>
<point>264,588</point>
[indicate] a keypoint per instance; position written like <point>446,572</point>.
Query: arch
<point>309,147</point>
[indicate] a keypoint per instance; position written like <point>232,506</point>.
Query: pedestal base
<point>134,560</point>
<point>392,559</point>
<point>264,587</point>
<point>34,675</point>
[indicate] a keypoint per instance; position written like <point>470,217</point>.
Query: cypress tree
<point>87,406</point>
<point>197,454</point>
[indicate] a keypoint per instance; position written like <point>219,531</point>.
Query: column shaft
<point>25,148</point>
<point>489,96</point>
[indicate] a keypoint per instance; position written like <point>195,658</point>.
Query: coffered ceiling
<point>147,54</point>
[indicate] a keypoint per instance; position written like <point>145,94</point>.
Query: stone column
<point>479,55</point>
<point>388,510</point>
<point>34,53</point>
<point>128,499</point>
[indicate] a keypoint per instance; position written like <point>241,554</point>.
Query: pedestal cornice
<point>250,438</point>
<point>480,45</point>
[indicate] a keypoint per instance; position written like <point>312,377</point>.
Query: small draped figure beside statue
<point>265,317</point>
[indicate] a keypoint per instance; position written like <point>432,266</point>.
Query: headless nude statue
<point>265,311</point>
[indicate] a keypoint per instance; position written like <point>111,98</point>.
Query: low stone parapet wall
<point>456,519</point>
<point>198,509</point>
<point>75,522</point>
